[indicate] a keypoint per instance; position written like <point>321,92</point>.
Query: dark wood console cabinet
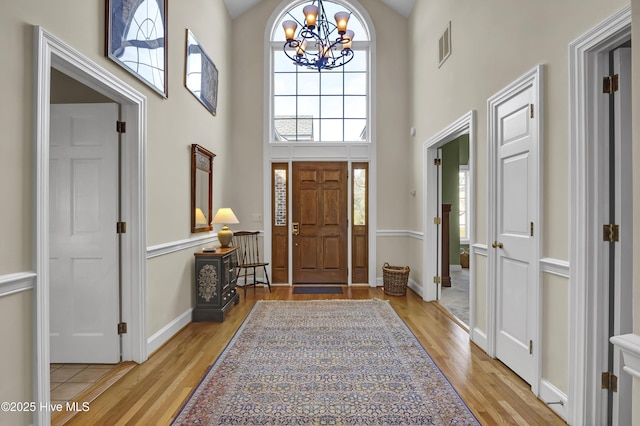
<point>215,283</point>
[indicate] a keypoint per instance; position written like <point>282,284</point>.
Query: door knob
<point>497,244</point>
<point>295,228</point>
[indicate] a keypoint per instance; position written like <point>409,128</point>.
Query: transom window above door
<point>320,106</point>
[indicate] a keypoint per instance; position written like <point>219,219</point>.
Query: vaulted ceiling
<point>238,7</point>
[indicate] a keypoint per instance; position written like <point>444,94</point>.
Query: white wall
<point>493,43</point>
<point>174,124</point>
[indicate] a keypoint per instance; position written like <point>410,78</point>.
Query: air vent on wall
<point>444,47</point>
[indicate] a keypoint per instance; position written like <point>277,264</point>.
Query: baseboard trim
<point>163,335</point>
<point>17,283</point>
<point>554,398</point>
<point>479,337</point>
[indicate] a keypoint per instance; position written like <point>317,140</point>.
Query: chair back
<point>248,250</point>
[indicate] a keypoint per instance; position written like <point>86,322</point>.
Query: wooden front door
<point>320,222</point>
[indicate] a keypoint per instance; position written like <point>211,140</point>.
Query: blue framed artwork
<point>201,74</point>
<point>136,39</point>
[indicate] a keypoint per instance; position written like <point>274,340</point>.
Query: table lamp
<point>225,216</point>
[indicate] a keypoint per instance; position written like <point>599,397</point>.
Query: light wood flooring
<point>153,392</point>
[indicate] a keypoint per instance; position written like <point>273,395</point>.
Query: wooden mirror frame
<point>201,161</point>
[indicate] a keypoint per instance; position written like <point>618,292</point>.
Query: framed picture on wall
<point>201,74</point>
<point>136,39</point>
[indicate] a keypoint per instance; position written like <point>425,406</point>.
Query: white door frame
<point>463,125</point>
<point>53,52</point>
<point>533,77</point>
<point>587,315</point>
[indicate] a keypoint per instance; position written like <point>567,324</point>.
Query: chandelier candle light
<point>317,46</point>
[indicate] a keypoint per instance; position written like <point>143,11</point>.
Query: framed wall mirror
<point>201,188</point>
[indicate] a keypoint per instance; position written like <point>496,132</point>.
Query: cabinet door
<point>208,280</point>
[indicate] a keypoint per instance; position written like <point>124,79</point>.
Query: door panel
<point>319,192</point>
<point>514,246</point>
<point>84,301</point>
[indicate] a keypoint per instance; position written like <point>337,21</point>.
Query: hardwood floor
<point>153,392</point>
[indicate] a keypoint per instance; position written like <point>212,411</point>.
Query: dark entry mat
<point>316,290</point>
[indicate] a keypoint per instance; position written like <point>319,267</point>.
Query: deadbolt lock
<point>295,228</point>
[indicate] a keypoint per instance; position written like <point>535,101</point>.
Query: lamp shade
<point>201,220</point>
<point>342,19</point>
<point>225,215</point>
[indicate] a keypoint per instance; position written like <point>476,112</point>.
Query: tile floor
<point>69,380</point>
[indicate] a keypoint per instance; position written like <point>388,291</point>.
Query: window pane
<point>463,203</point>
<point>308,84</point>
<point>331,107</point>
<point>331,130</point>
<point>359,197</point>
<point>358,63</point>
<point>332,82</point>
<point>355,130</point>
<point>281,63</point>
<point>309,106</point>
<point>355,107</point>
<point>284,105</point>
<point>355,84</point>
<point>284,84</point>
<point>280,197</point>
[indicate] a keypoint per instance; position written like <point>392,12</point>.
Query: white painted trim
<point>629,344</point>
<point>163,335</point>
<point>382,233</point>
<point>480,249</point>
<point>554,398</point>
<point>412,285</point>
<point>17,283</point>
<point>51,52</point>
<point>463,125</point>
<point>479,337</point>
<point>585,314</point>
<point>555,267</point>
<point>174,246</point>
<point>534,78</point>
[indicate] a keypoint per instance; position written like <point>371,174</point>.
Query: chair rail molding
<point>16,283</point>
<point>629,344</point>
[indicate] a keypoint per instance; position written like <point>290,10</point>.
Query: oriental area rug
<point>330,362</point>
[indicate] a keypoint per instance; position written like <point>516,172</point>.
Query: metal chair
<point>249,257</point>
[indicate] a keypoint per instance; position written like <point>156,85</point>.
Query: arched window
<point>320,106</point>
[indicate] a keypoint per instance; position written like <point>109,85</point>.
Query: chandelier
<point>320,44</point>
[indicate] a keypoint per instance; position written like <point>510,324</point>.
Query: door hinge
<point>530,347</point>
<point>610,84</point>
<point>122,328</point>
<point>531,229</point>
<point>437,221</point>
<point>610,233</point>
<point>436,280</point>
<point>437,162</point>
<point>121,126</point>
<point>531,110</point>
<point>609,381</point>
<point>121,227</point>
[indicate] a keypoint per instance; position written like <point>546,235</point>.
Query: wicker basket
<point>395,279</point>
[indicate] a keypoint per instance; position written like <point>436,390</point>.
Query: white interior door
<point>514,248</point>
<point>623,264</point>
<point>84,295</point>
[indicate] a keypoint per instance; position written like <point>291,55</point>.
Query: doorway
<point>55,54</point>
<point>320,222</point>
<point>594,302</point>
<point>464,127</point>
<point>454,245</point>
